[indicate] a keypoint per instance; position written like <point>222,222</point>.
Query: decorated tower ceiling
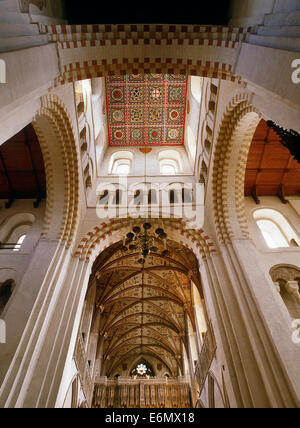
<point>144,306</point>
<point>146,110</point>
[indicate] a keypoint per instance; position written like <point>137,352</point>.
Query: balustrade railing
<point>142,393</point>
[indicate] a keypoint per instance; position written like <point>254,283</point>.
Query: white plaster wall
<point>194,119</point>
<point>30,73</point>
<point>274,73</point>
<point>245,13</point>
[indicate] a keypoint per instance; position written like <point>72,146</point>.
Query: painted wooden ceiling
<point>22,171</point>
<point>271,170</point>
<point>144,307</point>
<point>146,110</point>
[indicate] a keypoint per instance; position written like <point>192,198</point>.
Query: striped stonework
<point>147,31</point>
<point>91,51</point>
<point>61,217</point>
<point>229,164</point>
<point>106,234</point>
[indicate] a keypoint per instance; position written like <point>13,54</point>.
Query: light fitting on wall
<point>289,139</point>
<point>141,241</point>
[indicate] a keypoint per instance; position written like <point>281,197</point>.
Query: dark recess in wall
<point>145,12</point>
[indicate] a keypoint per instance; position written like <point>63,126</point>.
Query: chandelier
<point>144,243</point>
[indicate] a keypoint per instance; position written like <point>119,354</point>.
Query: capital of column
<point>277,286</point>
<point>292,288</point>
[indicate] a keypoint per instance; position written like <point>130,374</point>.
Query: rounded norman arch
<point>285,272</point>
<point>11,223</point>
<point>229,165</point>
<point>56,136</point>
<point>108,233</point>
<point>147,49</point>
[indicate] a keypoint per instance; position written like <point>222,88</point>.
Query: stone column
<point>21,317</point>
<point>277,287</point>
<point>38,376</point>
<point>267,325</point>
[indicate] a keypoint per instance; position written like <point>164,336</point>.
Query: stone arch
<point>6,291</point>
<point>286,279</point>
<point>229,164</point>
<point>56,136</point>
<point>285,272</point>
<point>8,282</point>
<point>88,51</point>
<point>11,223</point>
<point>106,234</point>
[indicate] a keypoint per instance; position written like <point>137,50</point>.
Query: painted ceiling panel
<point>146,110</point>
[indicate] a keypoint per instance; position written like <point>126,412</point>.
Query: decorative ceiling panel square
<point>146,110</point>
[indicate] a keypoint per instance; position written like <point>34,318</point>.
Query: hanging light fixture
<point>143,242</point>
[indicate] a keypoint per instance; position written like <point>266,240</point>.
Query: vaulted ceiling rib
<point>144,307</point>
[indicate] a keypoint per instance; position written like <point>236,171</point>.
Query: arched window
<point>121,163</point>
<point>187,195</point>
<point>103,200</point>
<point>142,370</point>
<point>14,229</point>
<point>272,234</point>
<point>152,197</point>
<point>19,243</point>
<point>168,167</point>
<point>6,290</point>
<point>169,162</point>
<point>118,197</point>
<point>138,197</point>
<point>287,282</point>
<point>121,168</point>
<point>275,229</point>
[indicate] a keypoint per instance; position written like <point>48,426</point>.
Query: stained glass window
<point>142,370</point>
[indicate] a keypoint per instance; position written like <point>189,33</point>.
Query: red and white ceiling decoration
<point>146,110</point>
